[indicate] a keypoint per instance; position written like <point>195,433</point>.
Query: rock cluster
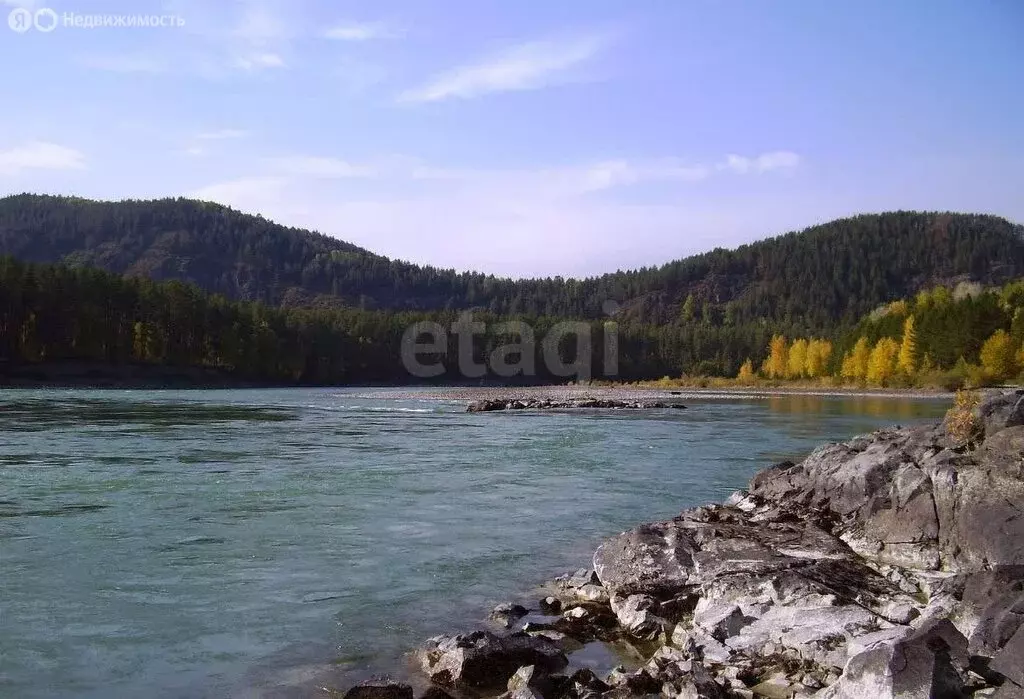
<point>888,566</point>
<point>491,405</point>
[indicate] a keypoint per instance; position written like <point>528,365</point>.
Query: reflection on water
<point>233,543</point>
<point>872,406</point>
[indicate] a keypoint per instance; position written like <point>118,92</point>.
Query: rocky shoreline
<point>891,565</point>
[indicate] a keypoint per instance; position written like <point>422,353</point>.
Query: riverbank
<point>890,565</point>
<point>470,394</point>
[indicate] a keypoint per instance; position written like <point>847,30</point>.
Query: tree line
<point>950,337</point>
<point>60,313</point>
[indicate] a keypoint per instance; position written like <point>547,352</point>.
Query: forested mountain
<point>808,282</point>
<point>55,316</point>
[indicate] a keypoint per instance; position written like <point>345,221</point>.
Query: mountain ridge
<point>826,274</point>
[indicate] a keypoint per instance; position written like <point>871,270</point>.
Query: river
<point>270,542</point>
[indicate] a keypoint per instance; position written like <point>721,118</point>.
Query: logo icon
<point>46,20</point>
<point>20,20</point>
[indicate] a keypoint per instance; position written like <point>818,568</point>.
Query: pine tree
<point>927,364</point>
<point>689,307</point>
<point>997,356</point>
<point>882,363</point>
<point>908,348</point>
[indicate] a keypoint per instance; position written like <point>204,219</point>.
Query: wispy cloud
<point>614,173</point>
<point>318,166</point>
<point>528,66</point>
<point>766,162</point>
<point>258,60</point>
<point>40,155</point>
<point>363,31</point>
<point>222,134</point>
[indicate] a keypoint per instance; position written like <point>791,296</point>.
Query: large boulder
<point>930,661</point>
<point>981,506</point>
<point>998,410</point>
<point>909,498</point>
<point>881,497</point>
<point>485,660</point>
<point>1009,661</point>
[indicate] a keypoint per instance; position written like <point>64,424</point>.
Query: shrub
<point>961,423</point>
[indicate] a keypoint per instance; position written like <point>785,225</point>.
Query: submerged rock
<point>492,405</point>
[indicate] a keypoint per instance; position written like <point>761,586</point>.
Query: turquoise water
<point>270,542</point>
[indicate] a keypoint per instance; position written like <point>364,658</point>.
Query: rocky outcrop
<point>891,565</point>
<point>485,660</point>
<point>486,406</point>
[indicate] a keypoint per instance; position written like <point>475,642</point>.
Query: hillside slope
<point>815,279</point>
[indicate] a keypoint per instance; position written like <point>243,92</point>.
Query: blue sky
<point>528,137</point>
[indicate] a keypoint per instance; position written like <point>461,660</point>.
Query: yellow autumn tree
<point>855,363</point>
<point>818,354</point>
<point>746,374</point>
<point>907,361</point>
<point>797,361</point>
<point>882,363</point>
<point>997,356</point>
<point>778,357</point>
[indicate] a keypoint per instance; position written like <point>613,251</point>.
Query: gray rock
<point>720,620</point>
<point>698,684</point>
<point>383,688</point>
<point>1009,661</point>
<point>999,410</point>
<point>564,641</point>
<point>529,679</point>
<point>776,686</point>
<point>508,613</point>
<point>581,577</point>
<point>435,692</point>
<point>592,593</point>
<point>636,617</point>
<point>987,606</point>
<point>482,659</point>
<point>584,679</point>
<point>551,605</point>
<point>1007,691</point>
<point>525,693</point>
<point>817,633</point>
<point>927,662</point>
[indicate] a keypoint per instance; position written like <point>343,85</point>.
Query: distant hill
<point>812,281</point>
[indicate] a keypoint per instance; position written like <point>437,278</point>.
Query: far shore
<point>567,392</point>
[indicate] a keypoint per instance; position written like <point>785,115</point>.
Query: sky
<point>526,137</point>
